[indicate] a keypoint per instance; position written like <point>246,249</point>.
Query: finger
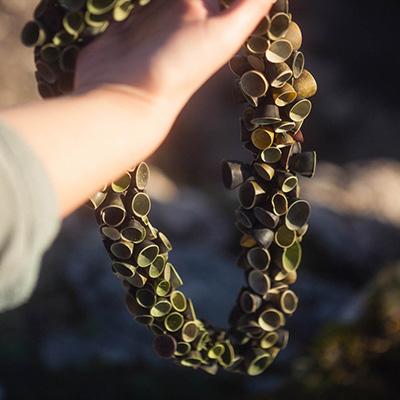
<point>237,22</point>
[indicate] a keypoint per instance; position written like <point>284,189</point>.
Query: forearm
<point>85,140</point>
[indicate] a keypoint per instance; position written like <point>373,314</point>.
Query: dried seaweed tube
<point>271,79</point>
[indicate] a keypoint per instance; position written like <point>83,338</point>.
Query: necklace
<point>272,82</point>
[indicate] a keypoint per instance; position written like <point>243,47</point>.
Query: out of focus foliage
<point>355,361</point>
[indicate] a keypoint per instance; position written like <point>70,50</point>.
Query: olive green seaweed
<point>143,318</point>
<point>192,359</point>
<point>259,258</point>
<point>279,25</point>
<point>284,140</point>
<point>296,62</point>
<point>263,236</point>
<point>257,45</point>
<point>250,302</point>
<point>252,100</point>
<point>245,217</point>
<point>251,194</point>
<point>278,74</point>
<point>279,51</point>
<point>298,213</point>
<point>280,6</point>
<point>125,269</point>
<point>248,324</point>
<point>262,138</point>
<point>175,279</point>
<point>234,173</point>
<point>284,237</point>
<point>258,361</point>
<point>262,27</point>
<point>48,72</point>
<point>305,85</point>
<point>162,287</point>
<point>96,200</point>
<point>182,349</point>
<point>146,297</point>
<point>304,163</point>
<point>271,155</point>
<point>122,183</point>
<point>239,65</point>
<point>279,203</point>
<point>156,268</point>
<point>189,331</point>
<point>138,280</point>
<point>266,217</point>
<point>146,252</point>
<point>109,232</point>
<point>272,218</point>
<point>294,36</point>
<point>64,38</point>
<point>259,282</point>
<point>141,175</point>
<point>49,53</point>
<point>112,210</point>
<point>99,7</point>
<point>161,308</point>
<point>267,113</point>
<point>140,204</point>
<point>269,340</point>
<point>284,95</point>
<point>256,62</point>
<point>165,345</point>
<point>122,249</point>
<point>178,301</point>
<point>286,181</point>
<point>133,231</point>
<point>33,34</point>
<point>285,126</point>
<point>287,302</point>
<point>122,10</point>
<point>156,329</point>
<point>74,22</point>
<point>270,319</point>
<point>174,321</point>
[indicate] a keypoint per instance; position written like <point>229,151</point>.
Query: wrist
<point>132,104</point>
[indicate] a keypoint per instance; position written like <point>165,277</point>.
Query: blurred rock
<point>367,189</point>
<point>355,215</point>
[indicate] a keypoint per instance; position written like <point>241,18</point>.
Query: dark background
<point>75,340</point>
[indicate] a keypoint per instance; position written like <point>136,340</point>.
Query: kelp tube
<point>271,81</point>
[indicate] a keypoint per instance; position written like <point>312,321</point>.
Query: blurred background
<point>75,339</point>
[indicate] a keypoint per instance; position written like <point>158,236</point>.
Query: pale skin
<point>131,83</point>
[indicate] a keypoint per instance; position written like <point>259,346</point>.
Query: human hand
<point>168,49</point>
<point>130,85</point>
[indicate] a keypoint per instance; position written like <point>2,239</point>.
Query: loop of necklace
<point>272,82</point>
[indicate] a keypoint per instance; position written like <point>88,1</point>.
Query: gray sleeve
<point>29,218</point>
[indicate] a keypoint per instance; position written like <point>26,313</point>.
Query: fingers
<point>238,21</point>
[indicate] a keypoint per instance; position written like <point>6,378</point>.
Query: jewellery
<point>271,216</point>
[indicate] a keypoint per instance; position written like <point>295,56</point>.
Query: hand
<point>169,48</point>
<point>131,83</point>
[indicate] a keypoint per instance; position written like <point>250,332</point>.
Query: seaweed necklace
<point>272,81</point>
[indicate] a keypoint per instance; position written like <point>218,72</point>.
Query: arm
<point>130,85</point>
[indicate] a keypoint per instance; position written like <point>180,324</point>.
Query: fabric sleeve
<point>29,218</point>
